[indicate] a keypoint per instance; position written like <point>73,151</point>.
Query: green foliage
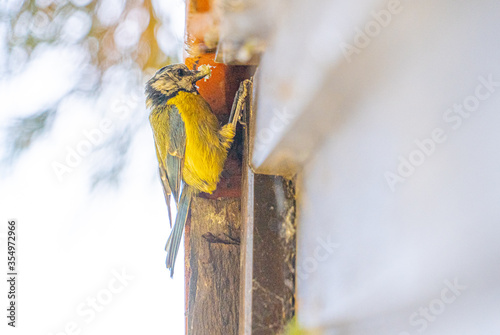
<point>24,131</point>
<point>107,40</point>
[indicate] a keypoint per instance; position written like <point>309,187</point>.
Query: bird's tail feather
<point>167,199</point>
<point>174,240</point>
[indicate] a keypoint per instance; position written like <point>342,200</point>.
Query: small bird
<point>191,147</point>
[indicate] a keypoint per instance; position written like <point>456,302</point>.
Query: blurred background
<point>78,169</point>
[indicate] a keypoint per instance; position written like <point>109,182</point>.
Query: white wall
<point>376,259</point>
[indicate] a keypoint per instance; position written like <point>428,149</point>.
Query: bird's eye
<point>181,72</point>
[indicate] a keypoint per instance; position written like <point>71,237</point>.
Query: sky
<point>89,262</point>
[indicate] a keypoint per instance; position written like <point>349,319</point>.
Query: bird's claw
<point>241,102</point>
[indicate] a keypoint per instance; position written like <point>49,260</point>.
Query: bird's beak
<point>197,75</point>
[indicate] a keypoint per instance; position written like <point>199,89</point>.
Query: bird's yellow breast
<point>205,155</point>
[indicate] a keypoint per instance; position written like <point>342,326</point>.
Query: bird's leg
<point>240,102</point>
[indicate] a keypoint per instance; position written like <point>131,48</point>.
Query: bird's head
<point>170,80</point>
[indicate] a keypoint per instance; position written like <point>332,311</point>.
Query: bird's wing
<point>167,192</point>
<point>170,138</point>
<point>170,141</point>
<point>175,152</point>
<point>174,163</point>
